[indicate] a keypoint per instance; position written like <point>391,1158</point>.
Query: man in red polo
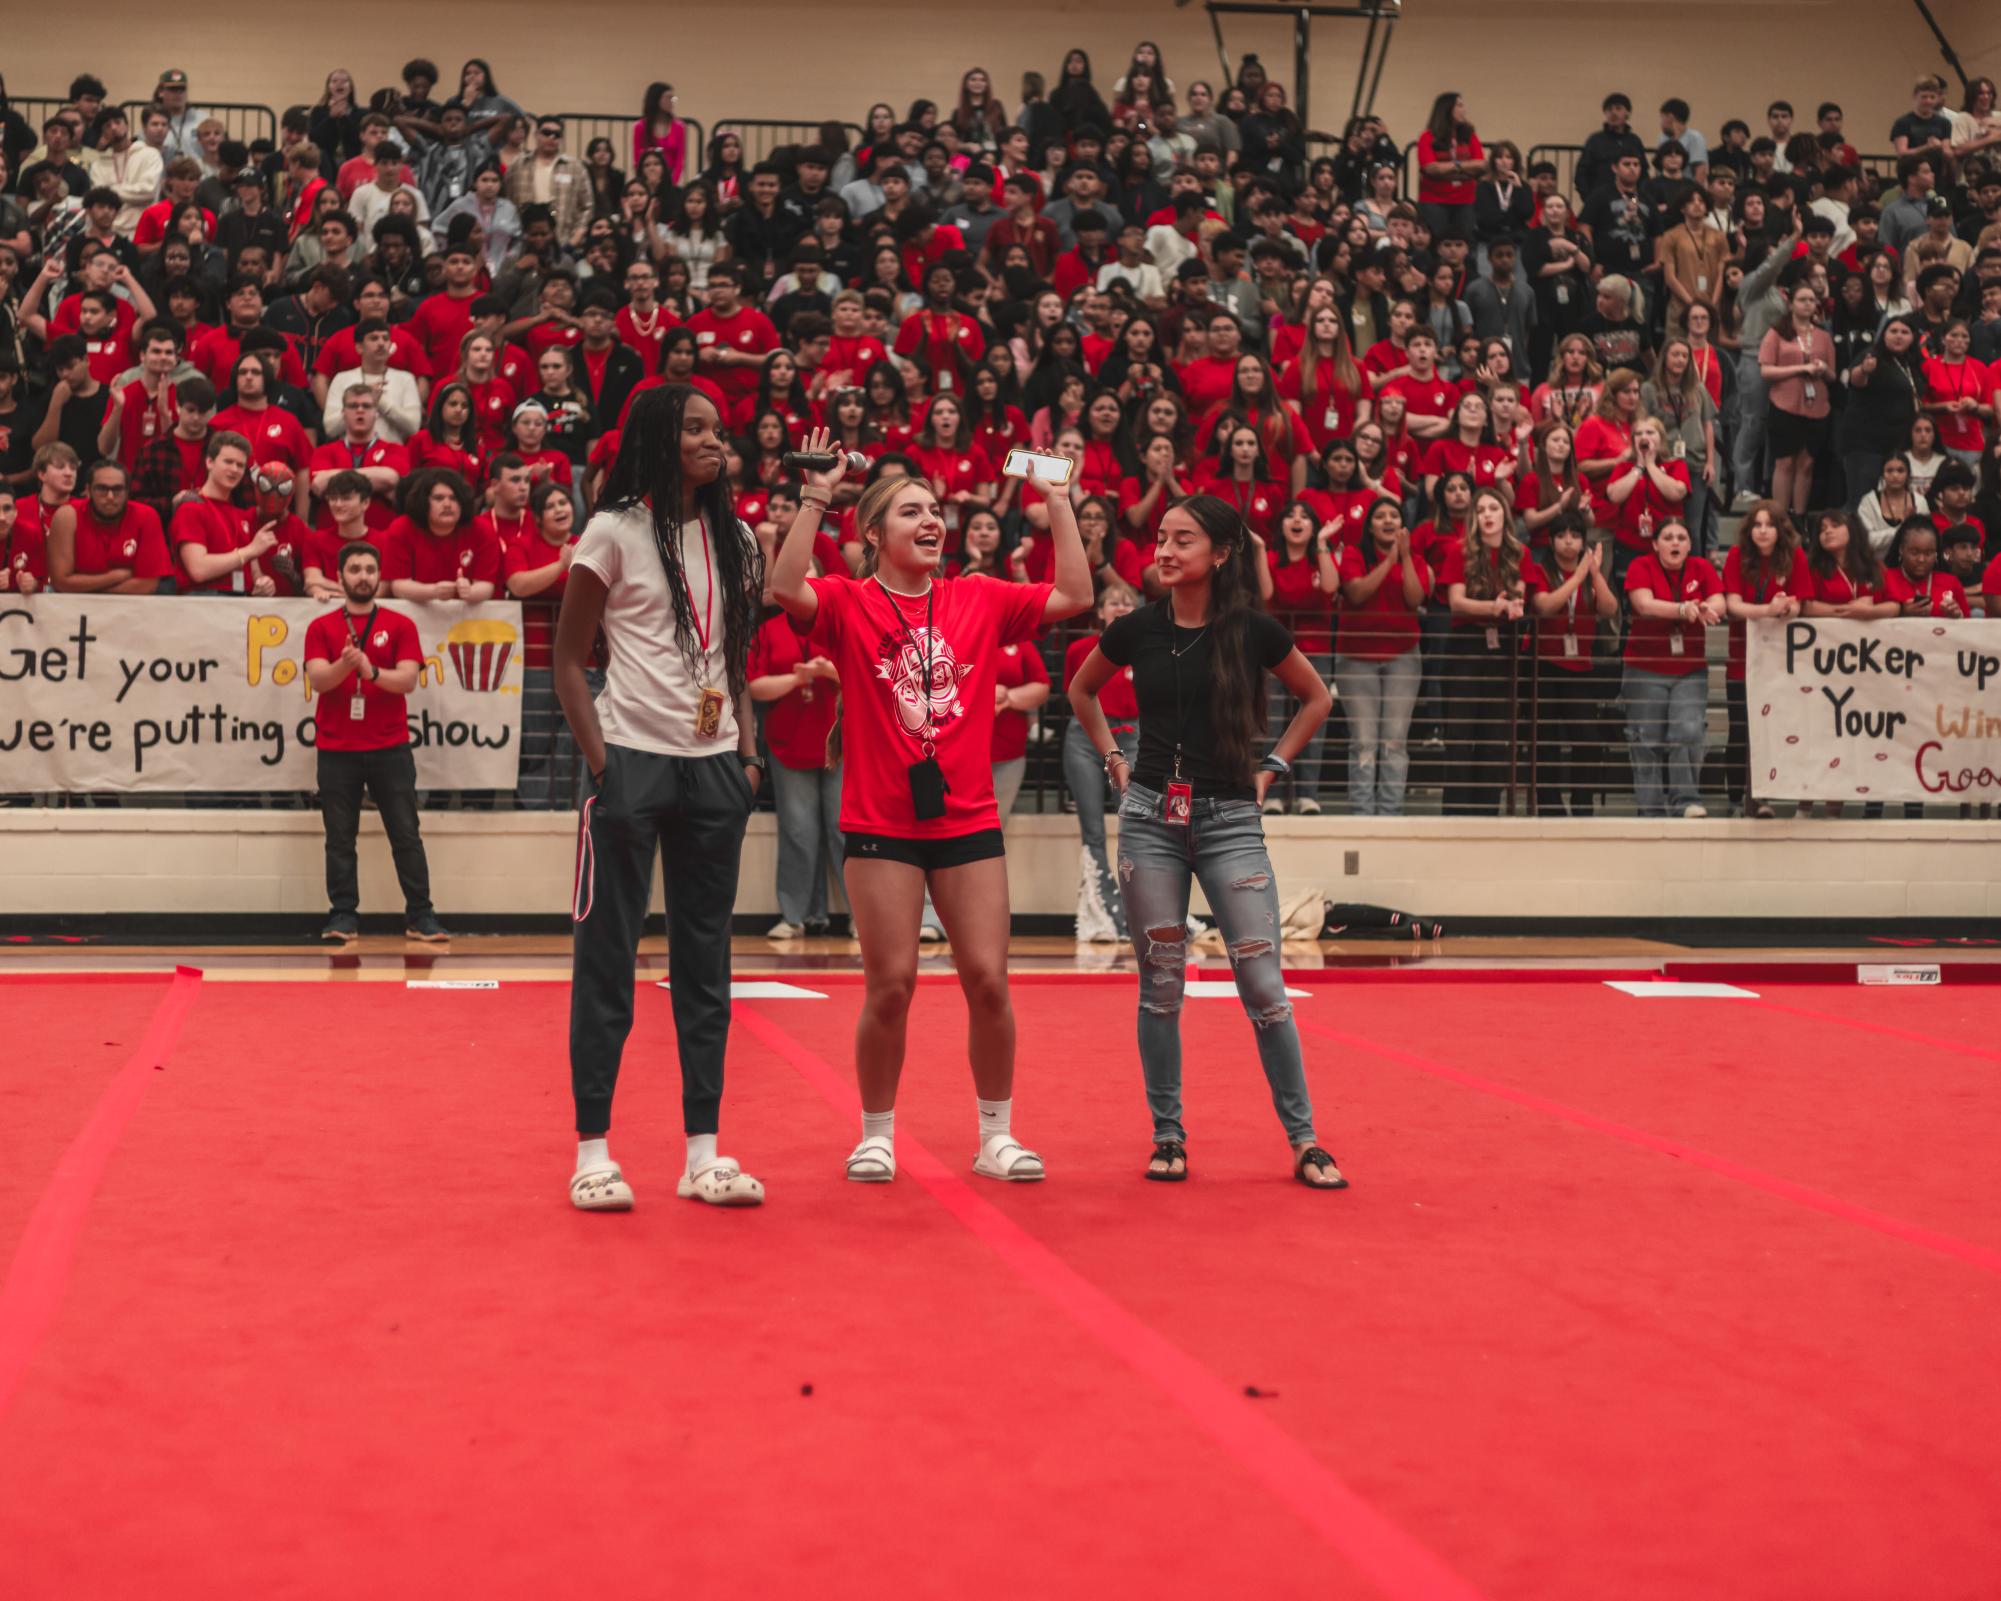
<point>362,662</point>
<point>107,545</point>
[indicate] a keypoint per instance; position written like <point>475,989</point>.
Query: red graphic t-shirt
<point>387,639</point>
<point>918,667</point>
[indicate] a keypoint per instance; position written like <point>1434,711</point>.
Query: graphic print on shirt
<point>921,705</point>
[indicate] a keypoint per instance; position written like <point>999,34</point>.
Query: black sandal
<point>1320,1162</point>
<point>1170,1152</point>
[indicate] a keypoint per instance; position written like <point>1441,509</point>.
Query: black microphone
<point>824,461</point>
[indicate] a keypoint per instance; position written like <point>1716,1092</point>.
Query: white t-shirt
<point>650,701</point>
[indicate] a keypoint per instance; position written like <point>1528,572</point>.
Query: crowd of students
<point>1484,436</point>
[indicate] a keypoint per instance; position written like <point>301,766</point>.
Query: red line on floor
<point>1395,1562</point>
<point>1896,1228</point>
<point>1910,1036</point>
<point>33,1290</point>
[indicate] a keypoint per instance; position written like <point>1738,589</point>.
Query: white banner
<point>1904,710</point>
<point>128,692</point>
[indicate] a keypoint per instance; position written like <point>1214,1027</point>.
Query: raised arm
<point>1072,568</point>
<point>789,573</point>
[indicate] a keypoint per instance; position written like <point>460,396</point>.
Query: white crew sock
<point>701,1148</point>
<point>594,1156</point>
<point>879,1123</point>
<point>994,1118</point>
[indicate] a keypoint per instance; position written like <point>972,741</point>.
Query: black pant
<point>693,808</point>
<point>1479,722</point>
<point>390,778</point>
<point>1737,748</point>
<point>1567,746</point>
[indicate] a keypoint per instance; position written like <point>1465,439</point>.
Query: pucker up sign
<point>1904,710</point>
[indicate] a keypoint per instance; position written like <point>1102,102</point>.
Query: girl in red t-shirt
<point>1674,597</point>
<point>1305,589</point>
<point>957,469</point>
<point>1469,448</point>
<point>1021,685</point>
<point>979,546</point>
<point>493,396</point>
<point>1488,581</point>
<point>1254,402</point>
<point>450,437</point>
<point>1765,575</point>
<point>1331,392</point>
<point>1644,492</point>
<point>1605,444</point>
<point>1242,475</point>
<point>889,406</point>
<point>1568,613</point>
<point>1551,486</point>
<point>781,389</point>
<point>1341,503</point>
<point>916,655</point>
<point>1848,580</point>
<point>1450,164</point>
<point>1914,581</point>
<point>1375,471</point>
<point>1384,584</point>
<point>1144,500</point>
<point>1101,470</point>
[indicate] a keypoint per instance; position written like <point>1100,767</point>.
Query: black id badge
<point>927,789</point>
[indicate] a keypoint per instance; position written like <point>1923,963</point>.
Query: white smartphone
<point>1054,471</point>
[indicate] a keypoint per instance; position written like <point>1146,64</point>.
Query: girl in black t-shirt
<point>1190,806</point>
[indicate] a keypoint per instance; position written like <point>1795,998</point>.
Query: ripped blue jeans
<point>1223,846</point>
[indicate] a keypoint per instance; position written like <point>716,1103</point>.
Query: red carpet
<point>330,1329</point>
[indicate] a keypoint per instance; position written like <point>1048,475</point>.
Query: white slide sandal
<point>720,1182</point>
<point>873,1161</point>
<point>1005,1158</point>
<point>602,1190</point>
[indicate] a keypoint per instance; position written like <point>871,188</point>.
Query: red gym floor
<point>1632,1297</point>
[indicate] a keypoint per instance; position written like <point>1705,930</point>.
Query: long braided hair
<point>647,476</point>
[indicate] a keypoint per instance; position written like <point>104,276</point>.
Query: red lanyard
<point>709,591</point>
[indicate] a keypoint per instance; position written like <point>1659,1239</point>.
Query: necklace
<point>913,594</point>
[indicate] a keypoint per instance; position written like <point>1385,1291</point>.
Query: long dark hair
<point>1236,704</point>
<point>647,476</point>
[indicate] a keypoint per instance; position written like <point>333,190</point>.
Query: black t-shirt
<point>17,438</point>
<point>83,418</point>
<point>1146,641</point>
<point>1622,231</point>
<point>1917,130</point>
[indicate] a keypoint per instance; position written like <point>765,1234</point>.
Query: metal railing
<point>1564,158</point>
<point>581,127</point>
<point>762,135</point>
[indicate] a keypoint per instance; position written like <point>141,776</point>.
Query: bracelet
<point>1113,755</point>
<point>817,505</point>
<point>1275,763</point>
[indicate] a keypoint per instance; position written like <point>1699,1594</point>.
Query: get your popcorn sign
<point>1904,710</point>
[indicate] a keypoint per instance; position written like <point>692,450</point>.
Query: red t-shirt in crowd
<point>440,324</point>
<point>1298,601</point>
<point>1328,410</point>
<point>1346,509</point>
<point>111,352</point>
<point>427,558</point>
<point>424,451</point>
<point>338,453</point>
<point>852,355</point>
<point>1960,380</point>
<point>646,340</point>
<point>1384,625</point>
<point>524,550</point>
<point>1758,591</point>
<point>214,356</point>
<point>1207,383</point>
<point>1840,589</point>
<point>1118,699</point>
<point>136,541</point>
<point>1483,462</point>
<point>1650,641</point>
<point>1601,439</point>
<point>881,644</point>
<point>1452,570</point>
<point>1933,591</point>
<point>1260,502</point>
<point>323,547</point>
<point>1014,665</point>
<point>747,331</point>
<point>219,527</point>
<point>1563,639</point>
<point>274,435</point>
<point>144,419</point>
<point>1447,191</point>
<point>1423,397</point>
<point>406,352</point>
<point>949,343</point>
<point>387,639</point>
<point>1990,588</point>
<point>798,724</point>
<point>1646,508</point>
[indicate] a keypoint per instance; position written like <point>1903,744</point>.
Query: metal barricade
<point>240,119</point>
<point>581,127</point>
<point>762,135</point>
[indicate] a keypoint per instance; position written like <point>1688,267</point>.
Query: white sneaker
<point>1744,502</point>
<point>1697,810</point>
<point>784,930</point>
<point>1307,806</point>
<point>930,934</point>
<point>1197,929</point>
<point>1274,807</point>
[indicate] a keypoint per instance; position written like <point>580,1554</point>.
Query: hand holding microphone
<point>819,466</point>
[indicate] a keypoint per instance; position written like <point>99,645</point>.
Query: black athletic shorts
<point>928,854</point>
